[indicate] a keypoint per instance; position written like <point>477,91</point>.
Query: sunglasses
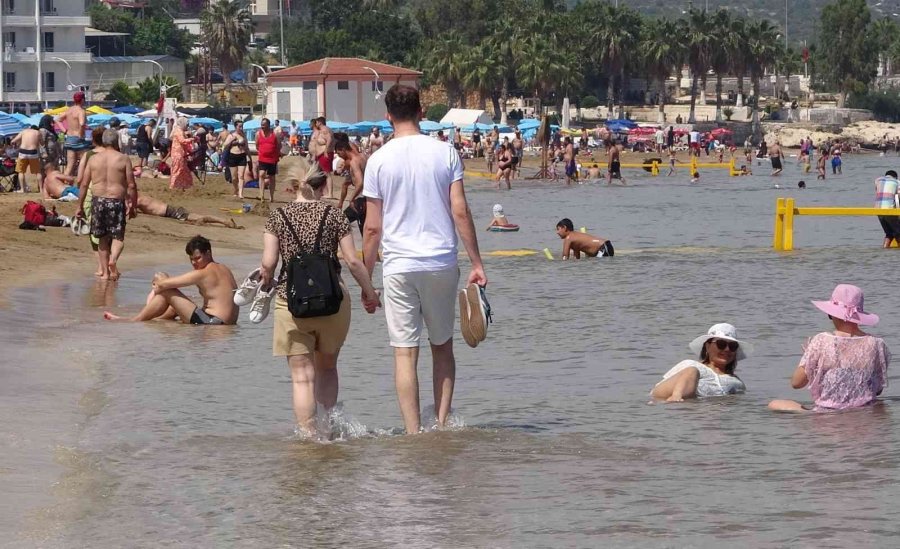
<point>731,345</point>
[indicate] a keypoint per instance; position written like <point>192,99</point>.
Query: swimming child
<point>745,170</point>
<point>577,243</point>
<point>845,368</point>
<point>695,177</point>
<point>672,162</point>
<point>820,163</point>
<point>801,185</point>
<point>500,219</point>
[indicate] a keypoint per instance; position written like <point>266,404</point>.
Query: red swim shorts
<point>326,162</point>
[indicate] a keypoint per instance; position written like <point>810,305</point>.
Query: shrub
<point>589,102</point>
<point>436,112</point>
<point>728,112</point>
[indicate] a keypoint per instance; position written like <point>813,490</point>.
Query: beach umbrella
<point>430,126</point>
<point>566,113</point>
<point>205,121</point>
<point>94,109</point>
<point>361,127</point>
<point>10,126</point>
<point>486,127</point>
<point>20,117</point>
<point>529,124</point>
<point>96,120</point>
<point>337,126</point>
<point>57,111</point>
<point>127,109</point>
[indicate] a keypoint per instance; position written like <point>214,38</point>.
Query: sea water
<point>156,434</point>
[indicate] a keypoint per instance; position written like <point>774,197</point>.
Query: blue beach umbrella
<point>20,117</point>
<point>205,121</point>
<point>127,109</point>
<point>337,126</point>
<point>10,126</point>
<point>431,126</point>
<point>529,124</point>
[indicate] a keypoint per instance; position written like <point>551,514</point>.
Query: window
<point>9,81</point>
<point>343,85</point>
<point>47,7</point>
<point>48,41</point>
<point>378,86</point>
<point>49,81</point>
<point>310,85</point>
<point>9,40</point>
<point>9,6</point>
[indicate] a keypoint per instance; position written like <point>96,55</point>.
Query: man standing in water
<point>614,168</point>
<point>886,189</point>
<point>74,120</point>
<point>569,161</point>
<point>214,280</point>
<point>776,156</point>
<point>418,225</point>
<point>576,243</point>
<point>109,175</point>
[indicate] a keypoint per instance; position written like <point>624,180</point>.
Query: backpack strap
<point>317,249</point>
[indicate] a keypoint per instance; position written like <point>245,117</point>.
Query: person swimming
<point>500,219</point>
<point>577,243</point>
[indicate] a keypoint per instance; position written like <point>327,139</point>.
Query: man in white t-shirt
<point>695,142</point>
<point>415,205</point>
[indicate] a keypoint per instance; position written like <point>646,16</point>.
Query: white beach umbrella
<point>566,117</point>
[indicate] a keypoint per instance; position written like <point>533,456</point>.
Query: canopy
<point>149,113</point>
<point>642,131</point>
<point>20,117</point>
<point>338,126</point>
<point>98,110</point>
<point>127,109</point>
<point>253,125</point>
<point>620,125</point>
<point>10,126</point>
<point>529,123</point>
<point>721,131</point>
<point>95,120</point>
<point>466,117</point>
<point>366,126</point>
<point>431,126</point>
<point>57,111</point>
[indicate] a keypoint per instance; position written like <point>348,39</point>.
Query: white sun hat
<point>722,331</point>
<point>498,209</point>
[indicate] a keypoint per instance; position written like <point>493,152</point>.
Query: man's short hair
<point>110,138</point>
<point>891,173</point>
<point>566,223</point>
<point>321,120</point>
<point>403,103</point>
<point>341,141</point>
<point>198,243</point>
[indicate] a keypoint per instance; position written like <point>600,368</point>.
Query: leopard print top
<point>304,218</point>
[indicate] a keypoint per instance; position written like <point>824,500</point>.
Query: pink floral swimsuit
<point>845,372</point>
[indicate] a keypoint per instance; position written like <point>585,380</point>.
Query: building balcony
<point>12,21</point>
<point>18,95</point>
<point>30,56</point>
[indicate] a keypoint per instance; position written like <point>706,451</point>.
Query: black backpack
<point>313,285</point>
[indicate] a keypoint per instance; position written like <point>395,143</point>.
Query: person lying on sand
<point>151,206</point>
<point>575,243</point>
<point>214,280</point>
<point>57,184</point>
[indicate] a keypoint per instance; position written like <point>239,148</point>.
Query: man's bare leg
<point>444,373</point>
<point>407,383</point>
<point>115,251</point>
<point>103,249</point>
<point>345,186</point>
<point>212,220</point>
<point>272,188</point>
<point>71,162</point>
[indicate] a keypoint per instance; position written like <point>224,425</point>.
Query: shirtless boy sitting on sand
<point>582,243</point>
<point>214,280</point>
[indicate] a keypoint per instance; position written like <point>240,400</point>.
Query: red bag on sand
<point>34,213</point>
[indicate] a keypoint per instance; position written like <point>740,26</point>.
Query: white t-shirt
<point>412,176</point>
<point>695,137</point>
<point>710,383</point>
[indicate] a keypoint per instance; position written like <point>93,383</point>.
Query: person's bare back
<point>55,183</point>
<point>110,175</point>
<point>28,140</point>
<point>74,121</point>
<point>582,243</point>
<point>217,286</point>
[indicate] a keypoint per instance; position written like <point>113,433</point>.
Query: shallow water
<point>149,435</point>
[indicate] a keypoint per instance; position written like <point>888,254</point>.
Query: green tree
<point>720,59</point>
<point>111,20</point>
<point>121,93</point>
<point>614,35</point>
<point>761,50</point>
<point>148,89</point>
<point>156,36</point>
<point>851,58</point>
<point>483,73</point>
<point>885,32</point>
<point>663,55</point>
<point>225,27</point>
<point>735,42</point>
<point>700,45</point>
<point>445,59</point>
<point>505,41</point>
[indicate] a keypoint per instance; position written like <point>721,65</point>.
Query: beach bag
<point>313,285</point>
<point>34,213</point>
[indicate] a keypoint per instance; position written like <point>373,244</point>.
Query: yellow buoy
<point>583,229</point>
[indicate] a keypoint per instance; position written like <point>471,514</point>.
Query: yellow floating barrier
<point>784,218</point>
<point>732,170</point>
<point>583,229</point>
<point>548,254</point>
<point>477,173</point>
<point>511,253</point>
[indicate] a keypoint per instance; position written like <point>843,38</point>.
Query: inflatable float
<point>504,228</point>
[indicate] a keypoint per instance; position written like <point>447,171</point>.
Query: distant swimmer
<point>695,177</point>
<point>151,206</point>
<point>745,170</point>
<point>214,280</point>
<point>776,156</point>
<point>575,243</point>
<point>614,167</point>
<point>500,220</point>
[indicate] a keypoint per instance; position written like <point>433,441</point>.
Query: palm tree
<point>505,43</point>
<point>225,27</point>
<point>761,48</point>
<point>614,35</point>
<point>885,31</point>
<point>662,56</point>
<point>445,60</point>
<point>482,72</point>
<point>720,54</point>
<point>735,43</point>
<point>699,41</point>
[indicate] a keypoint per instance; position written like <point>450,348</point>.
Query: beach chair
<point>9,179</point>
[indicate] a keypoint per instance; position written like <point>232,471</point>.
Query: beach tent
<point>466,117</point>
<point>127,109</point>
<point>9,126</point>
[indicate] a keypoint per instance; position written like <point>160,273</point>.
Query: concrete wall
<point>358,102</point>
<point>101,76</point>
<point>342,105</point>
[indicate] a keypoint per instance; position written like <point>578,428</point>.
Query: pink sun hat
<point>846,303</point>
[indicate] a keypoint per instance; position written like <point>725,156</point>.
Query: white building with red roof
<point>342,89</point>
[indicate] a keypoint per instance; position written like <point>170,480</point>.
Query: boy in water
<point>582,243</point>
<point>500,219</point>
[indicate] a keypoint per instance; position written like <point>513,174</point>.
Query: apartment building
<point>43,51</point>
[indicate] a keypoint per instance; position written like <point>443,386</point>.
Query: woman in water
<point>504,165</point>
<point>712,374</point>
<point>844,368</point>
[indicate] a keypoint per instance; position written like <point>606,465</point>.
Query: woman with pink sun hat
<point>845,368</point>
